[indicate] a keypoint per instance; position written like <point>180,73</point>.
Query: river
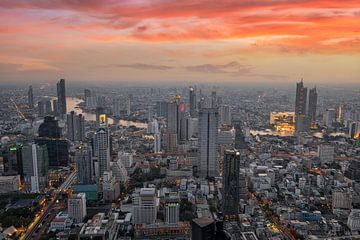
<point>72,105</point>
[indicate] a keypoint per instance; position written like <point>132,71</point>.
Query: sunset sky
<point>221,41</point>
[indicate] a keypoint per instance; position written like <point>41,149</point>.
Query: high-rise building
<point>84,165</point>
<point>192,102</point>
<point>54,107</point>
<point>110,187</point>
<point>61,96</point>
<point>44,108</point>
<point>157,143</point>
<point>300,108</point>
<point>208,130</point>
<point>300,102</point>
<point>30,97</point>
<point>203,228</point>
<point>35,167</point>
<point>329,117</point>
<point>75,127</point>
<point>312,105</point>
<point>231,183</point>
<point>340,113</point>
<point>240,142</point>
<point>144,206</point>
<point>127,159</point>
<point>103,147</point>
<point>77,207</point>
<point>90,99</point>
<point>214,102</point>
<point>326,153</point>
<point>50,135</point>
<point>12,163</point>
<point>161,109</point>
<point>129,104</point>
<point>116,108</point>
<point>172,208</point>
<point>225,115</point>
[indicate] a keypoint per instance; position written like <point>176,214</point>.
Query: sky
<point>274,42</point>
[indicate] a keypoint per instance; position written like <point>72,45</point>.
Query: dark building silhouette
<point>192,102</point>
<point>75,127</point>
<point>312,105</point>
<point>30,97</point>
<point>203,229</point>
<point>50,135</point>
<point>50,128</point>
<point>300,102</point>
<point>61,103</point>
<point>12,161</point>
<point>240,142</point>
<point>231,183</point>
<point>353,171</point>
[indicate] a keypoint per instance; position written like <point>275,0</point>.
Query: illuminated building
<point>61,97</point>
<point>283,121</point>
<point>231,183</point>
<point>208,135</point>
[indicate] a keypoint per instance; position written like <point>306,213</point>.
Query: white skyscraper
<point>103,146</point>
<point>329,117</point>
<point>77,207</point>
<point>208,131</point>
<point>157,143</point>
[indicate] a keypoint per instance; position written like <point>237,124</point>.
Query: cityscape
<point>165,120</point>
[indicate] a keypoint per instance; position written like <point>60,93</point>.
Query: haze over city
<point>271,42</point>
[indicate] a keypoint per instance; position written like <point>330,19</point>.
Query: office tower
<point>110,187</point>
<point>312,105</point>
<point>300,102</point>
<point>50,135</point>
<point>225,115</point>
<point>12,163</point>
<point>44,108</point>
<point>30,97</point>
<point>301,117</point>
<point>103,148</point>
<point>326,154</point>
<point>208,130</point>
<point>116,108</point>
<point>161,109</point>
<point>184,127</point>
<point>172,119</point>
<point>150,113</point>
<point>127,159</point>
<point>231,183</point>
<point>341,199</point>
<point>35,167</point>
<point>84,165</point>
<point>129,104</point>
<point>157,143</point>
<point>144,207</point>
<point>54,107</point>
<point>75,127</point>
<point>329,117</point>
<point>61,96</point>
<point>172,208</point>
<point>214,102</point>
<point>203,228</point>
<point>340,114</point>
<point>50,128</point>
<point>353,130</point>
<point>153,126</point>
<point>240,142</point>
<point>77,207</point>
<point>192,102</point>
<point>170,142</point>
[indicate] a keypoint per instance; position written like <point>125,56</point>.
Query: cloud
<point>230,68</point>
<point>143,66</point>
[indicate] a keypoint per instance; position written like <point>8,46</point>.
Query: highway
<point>42,216</point>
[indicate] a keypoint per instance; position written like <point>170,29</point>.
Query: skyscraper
<point>312,105</point>
<point>103,146</point>
<point>240,142</point>
<point>30,97</point>
<point>61,97</point>
<point>77,207</point>
<point>225,114</point>
<point>84,165</point>
<point>300,102</point>
<point>208,130</point>
<point>302,119</point>
<point>231,183</point>
<point>192,102</point>
<point>75,127</point>
<point>35,167</point>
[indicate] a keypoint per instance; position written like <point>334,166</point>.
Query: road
<point>44,213</point>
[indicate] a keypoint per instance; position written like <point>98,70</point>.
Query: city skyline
<point>234,42</point>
